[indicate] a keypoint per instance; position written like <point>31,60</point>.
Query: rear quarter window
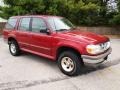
<point>24,24</point>
<point>11,24</point>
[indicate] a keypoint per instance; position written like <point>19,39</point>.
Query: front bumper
<point>96,59</point>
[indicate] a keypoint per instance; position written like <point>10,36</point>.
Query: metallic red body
<point>47,45</point>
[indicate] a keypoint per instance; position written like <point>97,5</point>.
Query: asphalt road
<point>31,72</point>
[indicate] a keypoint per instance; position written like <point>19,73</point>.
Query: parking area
<point>31,72</point>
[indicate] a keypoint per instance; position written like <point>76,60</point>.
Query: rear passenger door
<point>23,32</point>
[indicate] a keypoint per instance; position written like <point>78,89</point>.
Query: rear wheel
<point>70,63</point>
<point>14,48</point>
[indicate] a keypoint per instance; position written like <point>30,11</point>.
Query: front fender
<point>80,47</point>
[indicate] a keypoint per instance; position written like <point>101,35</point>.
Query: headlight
<point>99,48</point>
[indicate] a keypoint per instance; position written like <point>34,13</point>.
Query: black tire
<point>77,61</point>
<point>17,49</point>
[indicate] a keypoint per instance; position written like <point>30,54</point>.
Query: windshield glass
<point>60,24</point>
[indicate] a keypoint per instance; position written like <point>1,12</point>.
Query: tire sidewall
<point>16,47</point>
<point>75,60</point>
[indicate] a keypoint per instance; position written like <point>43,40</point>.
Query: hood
<point>87,37</point>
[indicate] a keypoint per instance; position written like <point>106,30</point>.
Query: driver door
<point>41,42</point>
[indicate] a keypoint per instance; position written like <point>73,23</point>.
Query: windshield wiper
<point>62,30</point>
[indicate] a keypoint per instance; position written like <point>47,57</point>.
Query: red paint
<point>47,44</point>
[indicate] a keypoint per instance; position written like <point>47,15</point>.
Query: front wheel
<point>70,63</point>
<point>14,48</point>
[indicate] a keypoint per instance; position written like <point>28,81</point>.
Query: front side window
<point>38,24</point>
<point>60,24</point>
<point>24,24</point>
<point>11,23</point>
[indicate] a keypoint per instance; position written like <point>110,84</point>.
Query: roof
<point>2,20</point>
<point>43,16</point>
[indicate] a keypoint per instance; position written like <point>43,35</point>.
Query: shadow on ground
<point>89,69</point>
<point>86,69</point>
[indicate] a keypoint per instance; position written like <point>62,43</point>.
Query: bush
<point>80,12</point>
<point>115,20</point>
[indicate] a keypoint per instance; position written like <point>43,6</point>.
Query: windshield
<point>60,24</point>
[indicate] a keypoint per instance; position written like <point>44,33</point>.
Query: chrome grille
<point>105,46</point>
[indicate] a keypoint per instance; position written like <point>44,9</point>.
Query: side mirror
<point>45,31</point>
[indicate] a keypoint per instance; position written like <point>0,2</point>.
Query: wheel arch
<point>67,48</point>
<point>11,38</point>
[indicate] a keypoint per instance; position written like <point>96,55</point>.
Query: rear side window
<point>11,23</point>
<point>24,24</point>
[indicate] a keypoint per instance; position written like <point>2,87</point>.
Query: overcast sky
<point>1,2</point>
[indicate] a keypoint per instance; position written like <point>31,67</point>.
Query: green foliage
<point>115,20</point>
<point>84,14</point>
<point>80,12</point>
<point>118,4</point>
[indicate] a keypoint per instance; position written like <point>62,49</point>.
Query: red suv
<point>58,39</point>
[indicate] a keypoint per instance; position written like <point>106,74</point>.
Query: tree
<point>118,4</point>
<point>116,19</point>
<point>21,7</point>
<point>81,12</point>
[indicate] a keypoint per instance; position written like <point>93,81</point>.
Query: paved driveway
<point>31,72</point>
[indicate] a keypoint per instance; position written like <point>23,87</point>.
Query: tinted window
<point>59,24</point>
<point>38,24</point>
<point>52,23</point>
<point>11,23</point>
<point>24,24</point>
